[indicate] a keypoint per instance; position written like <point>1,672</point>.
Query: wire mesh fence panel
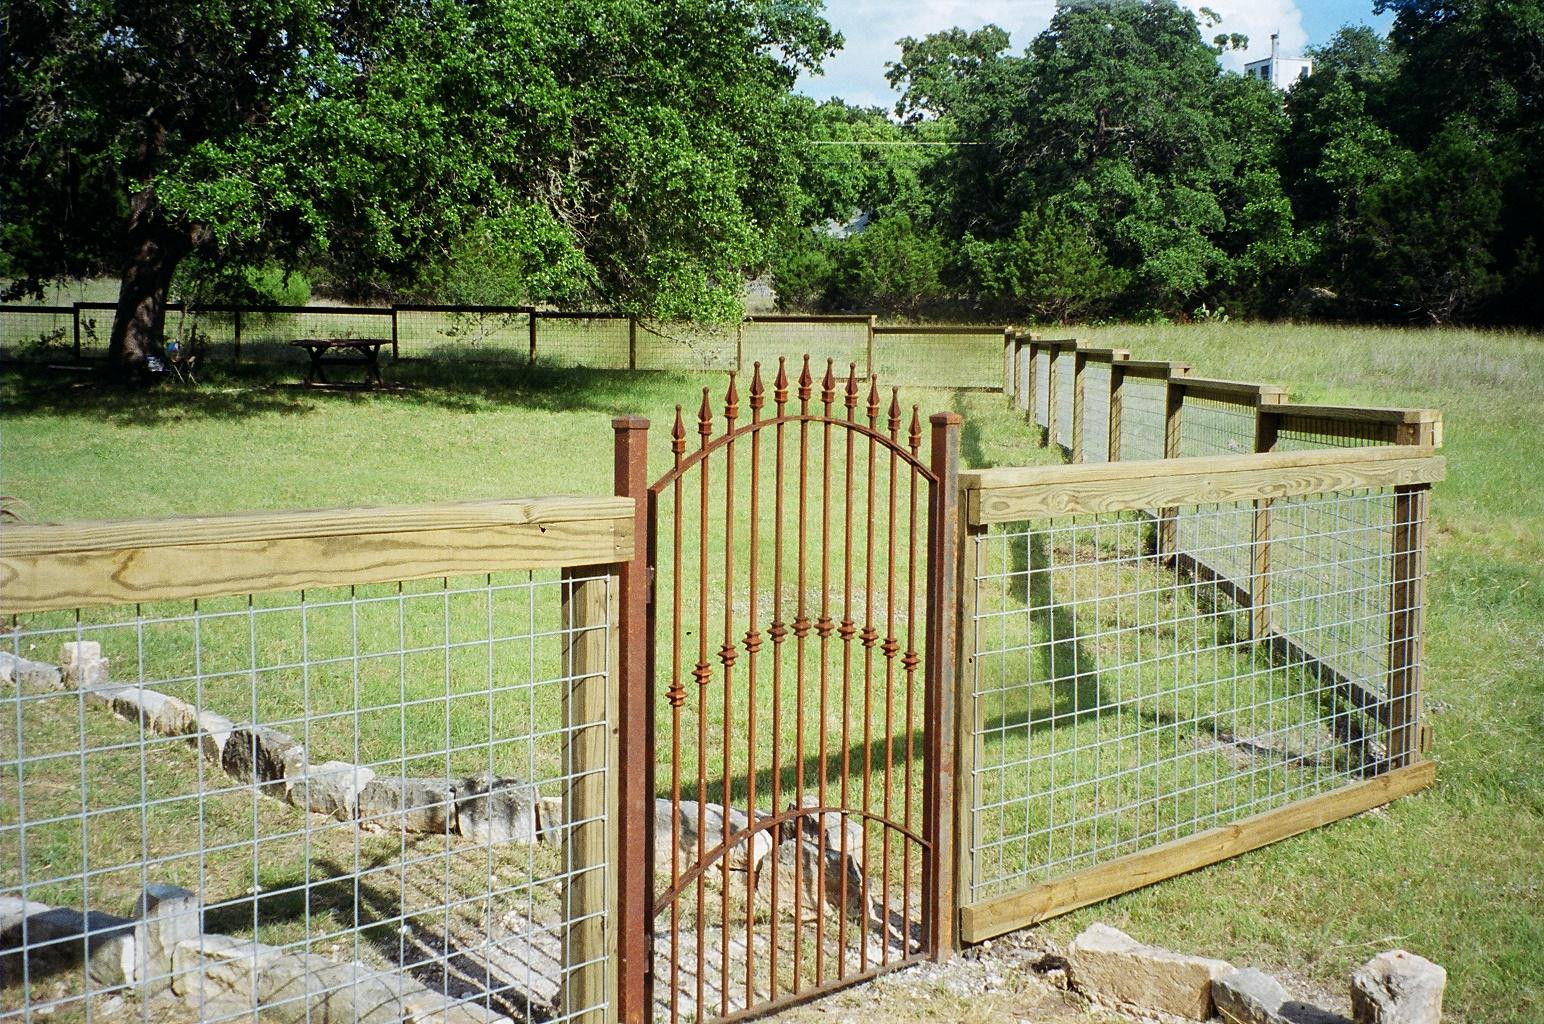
<point>686,346</point>
<point>343,803</point>
<point>1119,705</point>
<point>471,334</point>
<point>1297,433</point>
<point>935,358</point>
<point>1338,618</point>
<point>845,343</point>
<point>1042,387</point>
<point>1142,418</point>
<point>1096,412</point>
<point>1066,390</point>
<point>598,342</point>
<point>267,335</point>
<point>1210,426</point>
<point>41,332</point>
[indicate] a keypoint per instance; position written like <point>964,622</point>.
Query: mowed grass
<point>1453,874</point>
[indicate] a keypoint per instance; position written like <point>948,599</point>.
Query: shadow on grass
<point>262,386</point>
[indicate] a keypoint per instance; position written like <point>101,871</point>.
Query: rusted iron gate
<point>787,708</point>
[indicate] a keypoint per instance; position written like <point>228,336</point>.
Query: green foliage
<point>639,154</point>
<point>934,71</point>
<point>893,266</point>
<point>1051,267</point>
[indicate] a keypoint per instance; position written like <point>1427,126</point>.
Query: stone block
<point>165,915</point>
<point>1108,964</point>
<point>1397,987</point>
<point>302,988</point>
<point>82,666</point>
<point>429,1007</point>
<point>492,810</point>
<point>217,973</point>
<point>214,732</point>
<point>153,710</point>
<point>1249,996</point>
<point>256,753</point>
<point>331,787</point>
<point>29,676</point>
<point>704,823</point>
<point>549,819</point>
<point>414,805</point>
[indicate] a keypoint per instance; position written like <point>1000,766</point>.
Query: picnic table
<point>368,348</point>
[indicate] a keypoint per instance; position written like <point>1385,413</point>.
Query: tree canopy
<point>625,151</point>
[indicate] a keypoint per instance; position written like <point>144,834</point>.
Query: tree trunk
<point>139,324</point>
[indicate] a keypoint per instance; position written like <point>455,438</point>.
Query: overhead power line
<point>885,142</point>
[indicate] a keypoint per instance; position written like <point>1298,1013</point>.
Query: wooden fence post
<point>941,906</point>
<point>1407,614</point>
<point>395,352</point>
<point>1117,380</point>
<point>1079,364</point>
<point>1052,387</point>
<point>635,724</point>
<point>532,319</point>
<point>587,906</point>
<point>632,343</point>
<point>1034,388</point>
<point>1173,413</point>
<point>873,366</point>
<point>968,722</point>
<point>1261,621</point>
<point>236,354</point>
<point>77,332</point>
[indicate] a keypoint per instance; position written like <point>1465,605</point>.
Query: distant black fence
<point>959,356</point>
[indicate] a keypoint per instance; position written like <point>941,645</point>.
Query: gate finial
<point>806,383</point>
<point>731,403</point>
<point>780,385</point>
<point>678,436</point>
<point>873,403</point>
<point>851,398</point>
<point>895,414</point>
<point>758,393</point>
<point>828,386</point>
<point>916,431</point>
<point>705,418</point>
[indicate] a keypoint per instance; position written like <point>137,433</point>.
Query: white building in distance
<point>1280,71</point>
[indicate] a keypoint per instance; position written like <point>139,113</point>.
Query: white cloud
<point>1256,19</point>
<point>871,28</point>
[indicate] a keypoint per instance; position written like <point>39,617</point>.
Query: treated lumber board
<point>1010,495</point>
<point>943,329</point>
<point>1159,369</point>
<point>990,918</point>
<point>1355,415</point>
<point>1230,390</point>
<point>103,535</point>
<point>167,572</point>
<point>1106,355</point>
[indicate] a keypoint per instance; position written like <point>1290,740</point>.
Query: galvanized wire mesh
<point>1142,418</point>
<point>464,334</point>
<point>1119,704</point>
<point>969,358</point>
<point>1066,389</point>
<point>46,332</point>
<point>843,342</point>
<point>360,793</point>
<point>1096,411</point>
<point>599,342</point>
<point>1299,433</point>
<point>1042,387</point>
<point>1210,426</point>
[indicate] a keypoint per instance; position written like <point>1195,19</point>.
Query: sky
<point>871,27</point>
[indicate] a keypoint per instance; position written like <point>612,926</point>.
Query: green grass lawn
<point>1452,874</point>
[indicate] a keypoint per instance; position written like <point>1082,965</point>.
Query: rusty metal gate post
<point>939,754</point>
<point>635,722</point>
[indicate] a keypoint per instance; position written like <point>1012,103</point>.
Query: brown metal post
<point>635,702</point>
<point>940,930</point>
